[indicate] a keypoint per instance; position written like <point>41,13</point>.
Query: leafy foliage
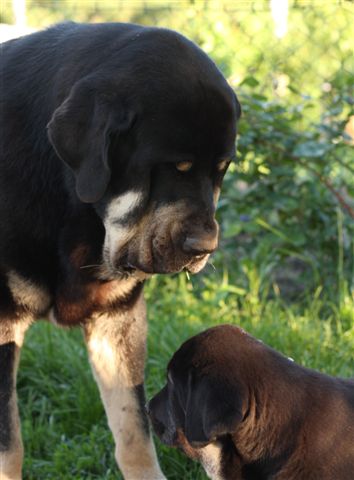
<point>290,193</point>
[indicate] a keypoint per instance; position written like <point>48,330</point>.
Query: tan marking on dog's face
<point>221,166</point>
<point>117,235</point>
<point>25,293</point>
<point>154,242</point>
<point>184,166</point>
<point>198,264</point>
<point>216,195</point>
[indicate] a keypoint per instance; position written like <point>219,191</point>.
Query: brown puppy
<point>247,412</point>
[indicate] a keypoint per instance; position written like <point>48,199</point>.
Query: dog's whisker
<point>210,264</point>
<point>91,266</point>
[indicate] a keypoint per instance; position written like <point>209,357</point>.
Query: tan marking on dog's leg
<point>116,346</point>
<point>12,458</point>
<point>11,451</point>
<point>25,293</point>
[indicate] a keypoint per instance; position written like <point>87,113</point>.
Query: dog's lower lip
<point>128,268</point>
<point>123,268</point>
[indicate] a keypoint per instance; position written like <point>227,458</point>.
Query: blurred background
<point>285,266</point>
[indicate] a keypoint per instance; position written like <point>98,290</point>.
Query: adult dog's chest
<point>79,292</point>
<point>75,302</point>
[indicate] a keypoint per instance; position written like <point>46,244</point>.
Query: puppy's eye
<point>221,166</point>
<point>184,166</point>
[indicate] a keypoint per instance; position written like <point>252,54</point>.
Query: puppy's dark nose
<point>200,244</point>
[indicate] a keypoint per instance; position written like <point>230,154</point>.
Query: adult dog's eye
<point>221,166</point>
<point>184,166</point>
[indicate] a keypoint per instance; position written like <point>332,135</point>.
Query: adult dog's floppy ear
<point>80,131</point>
<point>213,409</point>
<point>238,107</point>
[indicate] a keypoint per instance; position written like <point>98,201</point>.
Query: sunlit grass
<point>65,431</point>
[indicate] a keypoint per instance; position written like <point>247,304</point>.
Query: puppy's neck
<point>272,416</point>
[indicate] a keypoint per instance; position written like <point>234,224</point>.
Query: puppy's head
<point>204,398</point>
<point>148,137</point>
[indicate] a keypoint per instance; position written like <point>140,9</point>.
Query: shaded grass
<point>64,428</point>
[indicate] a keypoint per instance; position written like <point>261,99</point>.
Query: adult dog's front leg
<point>116,345</point>
<point>11,449</point>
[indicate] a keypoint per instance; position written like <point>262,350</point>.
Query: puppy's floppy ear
<point>80,131</point>
<point>214,408</point>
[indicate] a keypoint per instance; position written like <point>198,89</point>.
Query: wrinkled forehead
<point>201,122</point>
<point>192,140</point>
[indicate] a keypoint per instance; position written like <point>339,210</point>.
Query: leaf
<point>311,149</point>
<point>250,81</point>
<point>232,230</point>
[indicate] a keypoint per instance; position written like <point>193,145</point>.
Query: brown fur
<point>271,418</point>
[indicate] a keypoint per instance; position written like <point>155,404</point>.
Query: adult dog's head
<point>148,133</point>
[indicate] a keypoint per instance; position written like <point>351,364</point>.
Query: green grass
<point>64,428</point>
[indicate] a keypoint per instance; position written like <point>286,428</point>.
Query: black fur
<point>91,115</point>
<point>7,365</point>
<point>140,395</point>
<point>122,104</point>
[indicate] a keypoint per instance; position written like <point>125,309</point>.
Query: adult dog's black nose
<point>200,244</point>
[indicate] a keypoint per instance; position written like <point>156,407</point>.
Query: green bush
<point>288,200</point>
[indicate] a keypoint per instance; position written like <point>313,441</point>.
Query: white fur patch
<point>211,460</point>
<point>36,299</point>
<point>117,235</point>
<point>121,206</point>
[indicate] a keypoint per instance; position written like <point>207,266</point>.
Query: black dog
<point>246,412</point>
<point>115,140</point>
